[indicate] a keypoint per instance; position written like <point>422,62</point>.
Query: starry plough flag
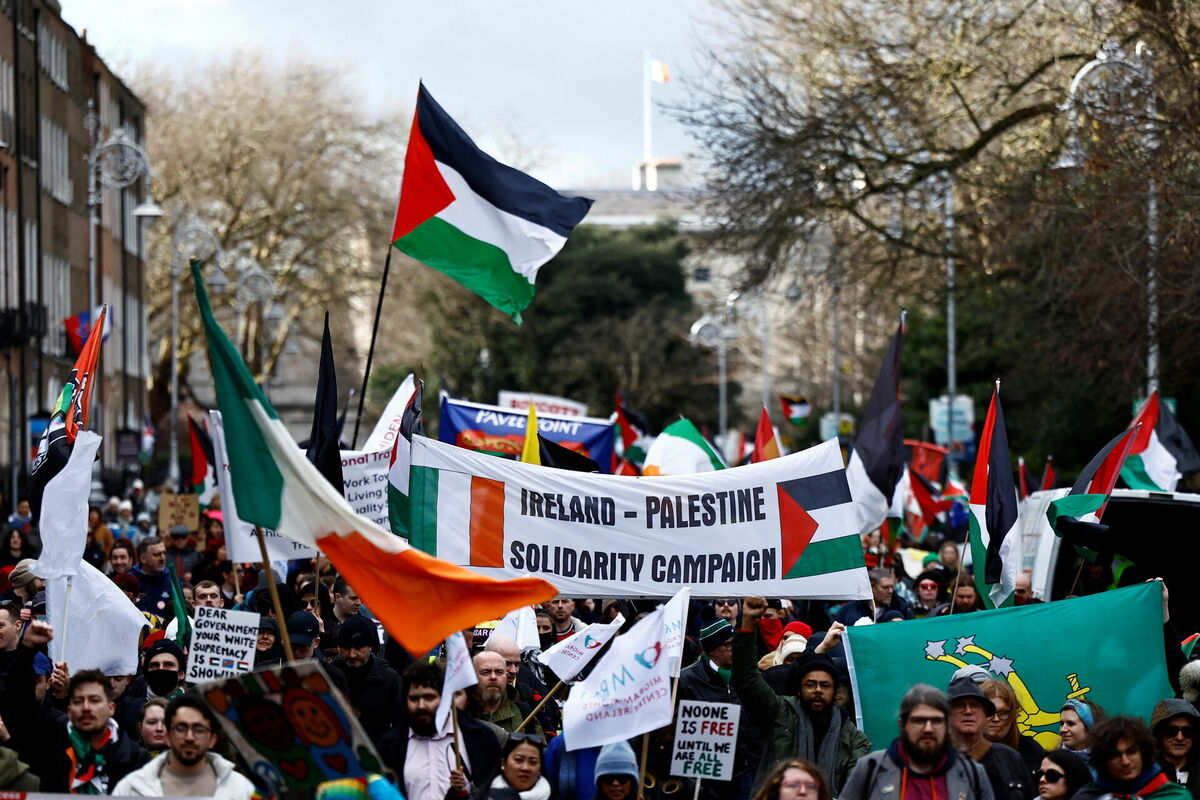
<point>1113,635</point>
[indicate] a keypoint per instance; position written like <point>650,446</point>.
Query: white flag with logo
<point>460,673</point>
<point>675,624</point>
<point>629,691</point>
<point>520,625</point>
<point>568,658</point>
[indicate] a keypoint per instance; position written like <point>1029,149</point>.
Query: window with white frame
<point>52,56</point>
<point>7,102</point>
<point>30,234</point>
<point>133,326</point>
<point>56,166</point>
<point>58,302</point>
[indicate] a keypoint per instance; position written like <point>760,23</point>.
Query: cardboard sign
<point>222,644</point>
<point>291,725</point>
<point>705,740</point>
<point>178,509</point>
<point>365,478</point>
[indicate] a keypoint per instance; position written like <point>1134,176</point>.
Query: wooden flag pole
<point>645,757</point>
<point>538,707</point>
<point>362,396</point>
<point>279,617</point>
<point>458,762</point>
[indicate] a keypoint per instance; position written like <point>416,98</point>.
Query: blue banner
<point>501,431</point>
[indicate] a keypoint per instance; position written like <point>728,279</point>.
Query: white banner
<point>629,691</point>
<point>675,624</point>
<point>365,478</point>
<point>240,542</point>
<point>544,403</point>
<point>520,625</point>
<point>568,658</point>
<point>383,436</point>
<point>705,740</point>
<point>460,673</point>
<point>782,528</point>
<point>222,644</point>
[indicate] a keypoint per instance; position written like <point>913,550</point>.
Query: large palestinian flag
<point>995,540</point>
<point>877,463</point>
<point>419,599</point>
<point>485,224</point>
<point>1077,515</point>
<point>1162,453</point>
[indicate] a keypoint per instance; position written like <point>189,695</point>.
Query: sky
<point>562,77</point>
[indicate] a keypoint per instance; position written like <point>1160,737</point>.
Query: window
<point>133,327</point>
<point>55,166</point>
<point>52,56</point>
<point>702,274</point>
<point>30,233</point>
<point>7,102</point>
<point>58,302</point>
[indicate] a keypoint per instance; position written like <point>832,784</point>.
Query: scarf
<point>826,756</point>
<point>88,774</point>
<point>724,673</point>
<point>539,791</point>
<point>1151,780</point>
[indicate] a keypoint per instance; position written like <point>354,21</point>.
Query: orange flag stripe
<point>487,522</point>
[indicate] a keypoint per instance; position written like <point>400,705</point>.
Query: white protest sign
<point>568,658</point>
<point>675,623</point>
<point>705,740</point>
<point>240,542</point>
<point>365,478</point>
<point>627,693</point>
<point>544,403</point>
<point>460,673</point>
<point>222,644</point>
<point>384,434</point>
<point>520,625</point>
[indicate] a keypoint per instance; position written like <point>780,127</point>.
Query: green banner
<point>1107,648</point>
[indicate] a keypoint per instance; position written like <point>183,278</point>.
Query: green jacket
<point>510,714</point>
<point>779,717</point>
<point>15,775</point>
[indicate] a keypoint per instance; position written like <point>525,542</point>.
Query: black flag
<point>323,441</point>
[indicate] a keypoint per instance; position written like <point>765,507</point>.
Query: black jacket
<point>483,750</point>
<point>373,691</point>
<point>701,682</point>
<point>1007,772</point>
<point>120,758</point>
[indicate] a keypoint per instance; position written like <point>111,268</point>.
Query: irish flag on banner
<point>485,224</point>
<point>419,599</point>
<point>1162,452</point>
<point>680,450</point>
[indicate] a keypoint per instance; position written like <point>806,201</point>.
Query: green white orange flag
<point>681,450</point>
<point>419,599</point>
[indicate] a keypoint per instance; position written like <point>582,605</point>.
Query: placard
<point>178,509</point>
<point>222,644</point>
<point>365,480</point>
<point>705,740</point>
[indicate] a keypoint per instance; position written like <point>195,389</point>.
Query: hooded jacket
<point>147,781</point>
<point>1152,783</point>
<point>1163,711</point>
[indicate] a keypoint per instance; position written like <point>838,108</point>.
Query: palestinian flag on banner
<point>419,599</point>
<point>766,442</point>
<point>204,472</point>
<point>411,421</point>
<point>796,409</point>
<point>1162,453</point>
<point>1048,475</point>
<point>1077,515</point>
<point>486,225</point>
<point>680,450</point>
<point>877,463</point>
<point>995,540</point>
<point>68,417</point>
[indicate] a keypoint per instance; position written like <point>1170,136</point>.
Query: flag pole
<point>458,762</point>
<point>539,707</point>
<point>645,756</point>
<point>959,572</point>
<point>362,396</point>
<point>283,632</point>
<point>649,173</point>
<point>66,616</point>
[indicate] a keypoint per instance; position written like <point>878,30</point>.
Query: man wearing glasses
<point>1174,725</point>
<point>920,763</point>
<point>188,768</point>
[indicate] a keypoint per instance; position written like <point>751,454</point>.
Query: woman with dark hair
<point>519,771</point>
<point>1122,750</point>
<point>16,548</point>
<point>793,780</point>
<point>1061,775</point>
<point>1002,726</point>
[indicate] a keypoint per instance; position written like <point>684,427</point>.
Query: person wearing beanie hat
<point>931,592</point>
<point>1174,724</point>
<point>25,584</point>
<point>709,678</point>
<point>373,687</point>
<point>616,772</point>
<point>808,725</point>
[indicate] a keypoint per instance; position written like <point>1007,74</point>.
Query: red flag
<point>1048,475</point>
<point>1022,477</point>
<point>766,446</point>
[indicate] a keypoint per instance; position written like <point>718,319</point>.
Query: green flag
<point>1107,648</point>
<point>183,634</point>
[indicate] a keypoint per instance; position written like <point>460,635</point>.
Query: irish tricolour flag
<point>419,599</point>
<point>681,450</point>
<point>485,224</point>
<point>1162,453</point>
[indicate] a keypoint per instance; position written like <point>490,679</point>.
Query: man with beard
<point>499,700</point>
<point>970,710</point>
<point>417,751</point>
<point>188,768</point>
<point>96,753</point>
<point>530,688</point>
<point>920,764</point>
<point>809,726</point>
<point>373,687</point>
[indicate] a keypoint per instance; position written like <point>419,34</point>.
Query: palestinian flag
<point>796,409</point>
<point>69,416</point>
<point>1048,476</point>
<point>183,629</point>
<point>149,434</point>
<point>877,463</point>
<point>632,438</point>
<point>204,473</point>
<point>766,443</point>
<point>919,507</point>
<point>1162,453</point>
<point>1077,515</point>
<point>411,421</point>
<point>681,450</point>
<point>486,225</point>
<point>995,540</point>
<point>419,599</point>
<point>1023,477</point>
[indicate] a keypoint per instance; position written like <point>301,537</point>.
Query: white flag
<point>629,691</point>
<point>520,625</point>
<point>675,624</point>
<point>64,519</point>
<point>104,627</point>
<point>460,673</point>
<point>383,436</point>
<point>568,658</point>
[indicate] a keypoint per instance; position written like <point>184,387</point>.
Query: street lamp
<point>1105,89</point>
<point>714,331</point>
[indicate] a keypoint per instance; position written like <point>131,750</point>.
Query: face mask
<point>162,681</point>
<point>548,640</point>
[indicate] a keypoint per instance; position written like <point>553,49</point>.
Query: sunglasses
<point>1171,731</point>
<point>615,779</point>
<point>1051,775</point>
<point>532,738</point>
<point>927,585</point>
<point>725,602</point>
